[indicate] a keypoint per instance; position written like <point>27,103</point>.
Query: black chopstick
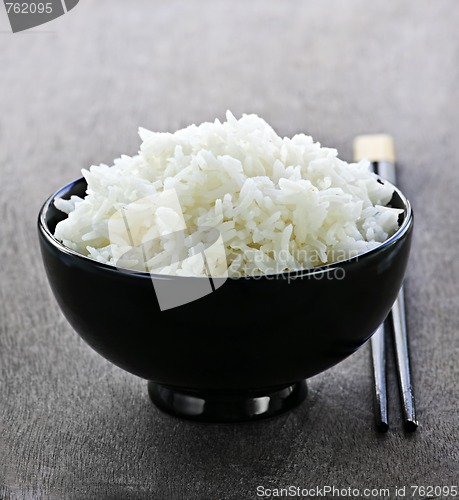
<point>379,149</point>
<point>378,354</point>
<point>403,362</point>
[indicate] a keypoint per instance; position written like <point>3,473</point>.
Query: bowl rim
<point>398,235</point>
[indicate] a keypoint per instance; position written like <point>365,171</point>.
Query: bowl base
<point>206,406</point>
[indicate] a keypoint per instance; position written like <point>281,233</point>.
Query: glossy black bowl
<point>242,352</point>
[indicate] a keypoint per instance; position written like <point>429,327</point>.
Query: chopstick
<point>379,149</point>
<point>403,363</point>
<point>378,355</point>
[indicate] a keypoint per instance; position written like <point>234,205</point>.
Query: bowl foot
<point>226,407</point>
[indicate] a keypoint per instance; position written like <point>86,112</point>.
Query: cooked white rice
<point>280,204</point>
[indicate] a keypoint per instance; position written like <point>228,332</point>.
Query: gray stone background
<point>74,91</point>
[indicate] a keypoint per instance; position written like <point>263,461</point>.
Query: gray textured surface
<point>73,93</point>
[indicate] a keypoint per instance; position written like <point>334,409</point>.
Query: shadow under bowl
<point>242,352</point>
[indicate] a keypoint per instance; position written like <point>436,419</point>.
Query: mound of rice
<point>280,204</point>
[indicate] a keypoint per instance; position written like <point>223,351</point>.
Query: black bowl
<point>242,352</point>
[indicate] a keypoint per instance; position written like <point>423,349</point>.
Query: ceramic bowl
<point>242,352</point>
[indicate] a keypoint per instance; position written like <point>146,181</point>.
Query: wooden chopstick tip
<point>374,147</point>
